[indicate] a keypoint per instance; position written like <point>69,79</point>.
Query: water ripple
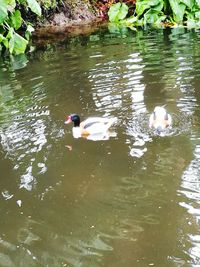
<point>25,134</point>
<point>191,178</point>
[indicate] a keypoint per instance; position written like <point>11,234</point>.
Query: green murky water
<point>132,200</point>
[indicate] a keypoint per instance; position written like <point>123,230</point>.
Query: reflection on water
<point>129,200</point>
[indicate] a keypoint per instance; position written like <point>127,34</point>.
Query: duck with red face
<point>90,126</point>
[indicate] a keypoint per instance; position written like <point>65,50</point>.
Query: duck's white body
<point>91,126</point>
<point>160,119</point>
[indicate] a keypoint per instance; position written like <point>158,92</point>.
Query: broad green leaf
<point>150,17</point>
<point>142,5</point>
<point>3,11</point>
<point>154,17</point>
<point>188,3</point>
<point>140,8</point>
<point>16,19</point>
<point>197,2</point>
<point>158,7</point>
<point>117,12</point>
<point>178,10</point>
<point>35,7</point>
<point>20,44</point>
<point>123,11</point>
<point>17,44</point>
<point>113,12</point>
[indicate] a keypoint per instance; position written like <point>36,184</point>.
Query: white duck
<point>90,126</point>
<point>160,119</point>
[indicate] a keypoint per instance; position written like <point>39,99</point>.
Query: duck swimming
<point>90,126</point>
<point>160,119</point>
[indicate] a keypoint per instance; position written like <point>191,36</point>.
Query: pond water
<point>131,200</point>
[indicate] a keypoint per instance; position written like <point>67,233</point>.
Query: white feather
<point>98,125</point>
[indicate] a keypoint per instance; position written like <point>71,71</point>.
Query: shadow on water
<point>131,200</point>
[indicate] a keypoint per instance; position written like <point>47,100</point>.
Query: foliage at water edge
<point>11,22</point>
<point>156,12</point>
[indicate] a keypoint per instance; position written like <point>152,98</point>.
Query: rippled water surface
<point>130,200</point>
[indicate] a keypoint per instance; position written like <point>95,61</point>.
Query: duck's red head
<point>68,120</point>
<point>73,118</point>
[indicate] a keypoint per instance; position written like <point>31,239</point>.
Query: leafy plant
<point>118,12</point>
<point>11,21</point>
<point>157,12</point>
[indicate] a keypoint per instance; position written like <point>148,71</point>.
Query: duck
<point>91,126</point>
<point>160,119</point>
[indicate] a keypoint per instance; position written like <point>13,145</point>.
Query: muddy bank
<point>53,34</point>
<point>71,17</point>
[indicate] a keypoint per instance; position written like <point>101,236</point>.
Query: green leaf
<point>142,5</point>
<point>178,10</point>
<point>11,2</point>
<point>154,17</point>
<point>190,15</point>
<point>197,2</point>
<point>197,15</point>
<point>117,12</point>
<point>191,23</point>
<point>113,12</point>
<point>3,11</point>
<point>16,19</point>
<point>35,7</point>
<point>5,42</point>
<point>188,3</point>
<point>158,7</point>
<point>1,38</point>
<point>123,11</point>
<point>20,44</point>
<point>18,61</point>
<point>11,5</point>
<point>29,31</point>
<point>150,17</point>
<point>17,44</point>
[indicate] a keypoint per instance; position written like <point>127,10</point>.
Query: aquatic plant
<point>11,22</point>
<point>157,12</point>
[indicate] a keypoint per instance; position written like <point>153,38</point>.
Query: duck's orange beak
<point>68,120</point>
